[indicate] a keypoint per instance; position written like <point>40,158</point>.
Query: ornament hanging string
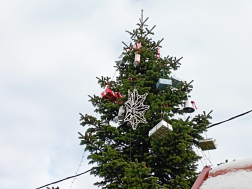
<point>205,158</point>
<point>199,155</point>
<point>134,84</point>
<point>162,111</point>
<point>130,143</point>
<point>113,76</point>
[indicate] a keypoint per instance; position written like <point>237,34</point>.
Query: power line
<point>64,179</point>
<point>228,119</point>
<point>91,169</point>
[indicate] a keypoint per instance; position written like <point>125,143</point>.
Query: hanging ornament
<point>135,108</point>
<point>162,83</point>
<point>109,94</point>
<point>158,50</point>
<point>119,101</point>
<point>119,95</point>
<point>121,113</point>
<point>137,59</point>
<point>189,106</point>
<point>160,130</point>
<point>207,144</point>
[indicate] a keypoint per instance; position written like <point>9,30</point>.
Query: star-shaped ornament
<point>135,108</point>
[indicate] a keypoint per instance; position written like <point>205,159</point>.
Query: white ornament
<point>135,108</point>
<point>207,144</point>
<point>137,59</point>
<point>161,130</point>
<point>121,113</point>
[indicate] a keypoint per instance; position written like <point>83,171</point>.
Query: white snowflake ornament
<point>135,108</point>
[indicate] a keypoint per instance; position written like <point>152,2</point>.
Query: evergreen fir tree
<point>169,162</point>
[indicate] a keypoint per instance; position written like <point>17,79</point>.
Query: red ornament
<point>137,46</point>
<point>119,96</point>
<point>109,94</point>
<point>158,52</point>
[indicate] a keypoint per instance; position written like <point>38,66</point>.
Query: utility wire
<point>64,179</point>
<point>203,156</point>
<point>228,119</point>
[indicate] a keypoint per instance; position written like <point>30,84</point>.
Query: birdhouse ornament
<point>161,130</point>
<point>109,94</point>
<point>162,82</point>
<point>137,59</point>
<point>207,144</point>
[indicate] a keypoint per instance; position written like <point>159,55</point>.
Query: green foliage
<point>171,161</point>
<point>137,176</point>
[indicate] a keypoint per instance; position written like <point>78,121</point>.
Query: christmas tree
<point>151,95</point>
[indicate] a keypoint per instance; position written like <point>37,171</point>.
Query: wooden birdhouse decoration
<point>161,130</point>
<point>207,144</point>
<point>121,113</point>
<point>109,94</point>
<point>137,59</point>
<point>162,83</point>
<point>176,81</point>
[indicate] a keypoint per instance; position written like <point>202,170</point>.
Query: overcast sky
<point>52,50</point>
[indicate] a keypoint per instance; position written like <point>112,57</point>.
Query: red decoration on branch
<point>119,96</point>
<point>109,94</point>
<point>137,46</point>
<point>158,52</point>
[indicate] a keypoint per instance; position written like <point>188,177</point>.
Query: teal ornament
<point>162,83</point>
